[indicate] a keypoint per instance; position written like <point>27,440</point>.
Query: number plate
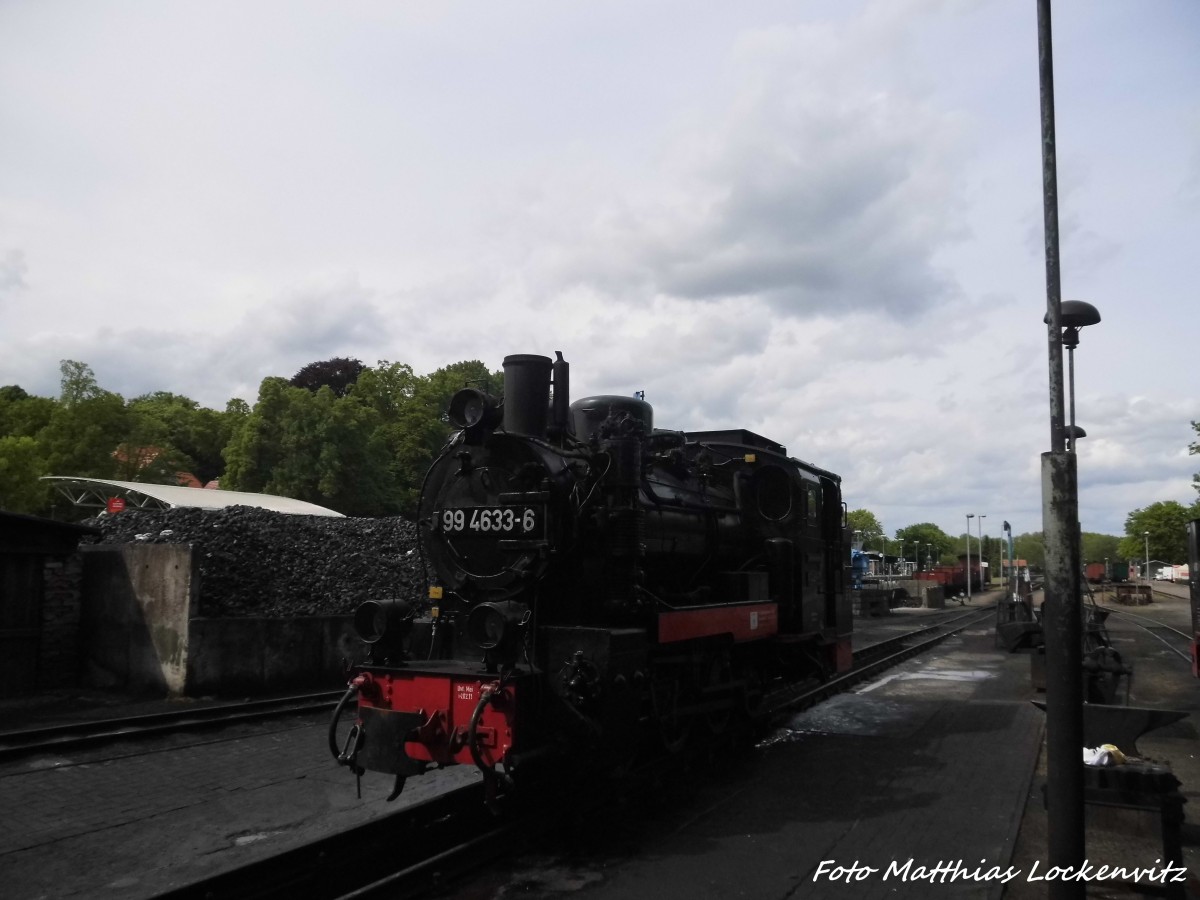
<point>507,521</point>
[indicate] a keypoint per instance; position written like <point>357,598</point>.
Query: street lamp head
<point>1073,315</point>
<point>1074,432</point>
<point>1076,314</point>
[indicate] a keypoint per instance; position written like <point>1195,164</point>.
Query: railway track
<point>1177,641</point>
<point>76,735</point>
<point>417,848</point>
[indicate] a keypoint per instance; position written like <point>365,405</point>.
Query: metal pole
<point>1060,517</point>
<point>1146,574</point>
<point>970,516</point>
<point>982,516</point>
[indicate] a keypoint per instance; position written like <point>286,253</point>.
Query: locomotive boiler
<point>597,585</point>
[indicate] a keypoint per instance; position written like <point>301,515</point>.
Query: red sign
<point>116,504</point>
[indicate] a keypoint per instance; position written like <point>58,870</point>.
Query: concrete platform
<point>875,793</point>
<point>935,762</point>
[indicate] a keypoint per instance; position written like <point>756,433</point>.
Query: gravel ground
<point>255,562</point>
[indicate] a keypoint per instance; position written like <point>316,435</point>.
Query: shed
<point>39,602</point>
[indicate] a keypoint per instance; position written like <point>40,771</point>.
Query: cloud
<point>12,275</point>
<point>818,196</point>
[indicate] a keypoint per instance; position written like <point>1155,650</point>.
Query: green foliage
<point>364,453</point>
<point>23,414</point>
<point>312,446</point>
<point>78,383</point>
<point>1031,547</point>
<point>412,410</point>
<point>1193,449</point>
<point>90,432</point>
<point>1166,523</point>
<point>192,437</point>
<point>1099,547</point>
<point>21,465</point>
<point>338,374</point>
<point>82,435</point>
<point>926,533</point>
<point>865,522</point>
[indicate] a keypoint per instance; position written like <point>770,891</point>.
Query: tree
<point>387,388</point>
<point>1193,449</point>
<point>23,414</point>
<point>255,447</point>
<point>365,453</point>
<point>194,435</point>
<point>864,522</point>
<point>1166,523</point>
<point>1099,547</point>
<point>412,410</point>
<point>1031,547</point>
<point>84,426</point>
<point>925,533</point>
<point>78,383</point>
<point>21,465</point>
<point>312,446</point>
<point>338,374</point>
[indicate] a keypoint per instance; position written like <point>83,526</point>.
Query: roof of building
<point>95,492</point>
<point>33,534</point>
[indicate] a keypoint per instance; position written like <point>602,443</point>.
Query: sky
<point>819,221</point>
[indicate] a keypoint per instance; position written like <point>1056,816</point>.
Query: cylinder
<point>526,394</point>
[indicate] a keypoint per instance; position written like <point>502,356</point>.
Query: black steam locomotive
<point>597,584</point>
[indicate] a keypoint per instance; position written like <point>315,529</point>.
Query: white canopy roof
<point>96,492</point>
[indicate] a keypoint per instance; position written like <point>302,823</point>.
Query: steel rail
<point>1161,626</point>
<point>812,696</point>
<point>408,852</point>
<point>82,733</point>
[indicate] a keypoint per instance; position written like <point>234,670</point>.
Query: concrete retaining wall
<point>256,655</point>
<point>140,632</point>
<point>137,602</point>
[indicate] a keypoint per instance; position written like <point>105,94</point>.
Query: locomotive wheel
<point>719,676</point>
<point>675,732</point>
<point>753,695</point>
<point>674,726</point>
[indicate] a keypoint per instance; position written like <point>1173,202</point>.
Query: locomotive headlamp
<point>375,619</point>
<point>470,407</point>
<point>491,624</point>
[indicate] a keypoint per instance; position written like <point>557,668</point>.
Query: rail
<point>418,848</point>
<point>85,733</point>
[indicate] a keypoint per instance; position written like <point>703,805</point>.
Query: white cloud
<point>821,222</point>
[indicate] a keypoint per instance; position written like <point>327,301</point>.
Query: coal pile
<point>255,562</point>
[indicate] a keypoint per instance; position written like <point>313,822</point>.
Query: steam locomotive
<point>598,585</point>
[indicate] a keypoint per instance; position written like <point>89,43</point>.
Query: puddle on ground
<point>242,840</point>
<point>845,714</point>
<point>548,881</point>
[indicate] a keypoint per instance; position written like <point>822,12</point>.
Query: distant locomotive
<point>597,583</point>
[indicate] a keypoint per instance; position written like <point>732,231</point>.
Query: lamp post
<point>982,516</point>
<point>1146,538</point>
<point>970,516</point>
